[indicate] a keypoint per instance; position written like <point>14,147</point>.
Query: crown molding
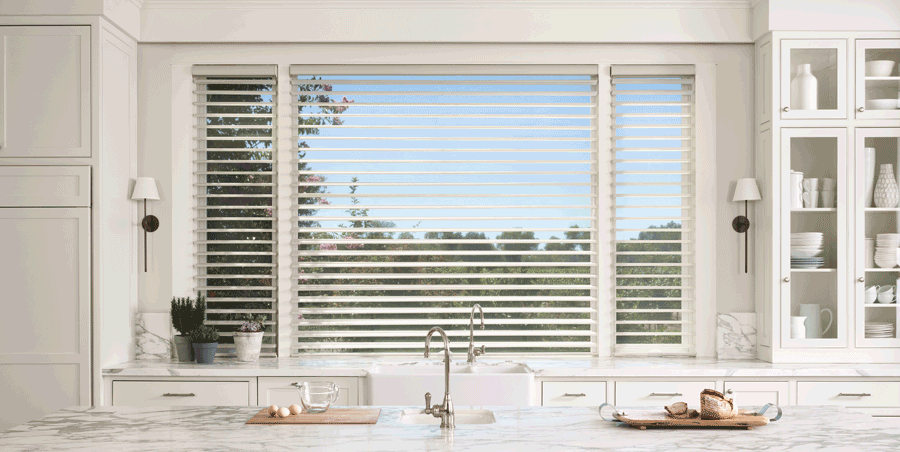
<point>445,4</point>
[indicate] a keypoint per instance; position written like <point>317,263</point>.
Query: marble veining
<point>153,338</point>
<point>126,429</point>
<point>336,366</point>
<point>736,335</point>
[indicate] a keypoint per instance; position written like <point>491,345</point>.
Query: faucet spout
<point>473,352</point>
<point>444,411</point>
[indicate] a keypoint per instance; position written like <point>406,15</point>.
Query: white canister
<point>870,177</point>
<point>870,253</point>
<point>796,190</point>
<point>798,327</point>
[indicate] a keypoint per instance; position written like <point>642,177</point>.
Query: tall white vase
<point>886,192</point>
<point>804,89</point>
<point>870,176</point>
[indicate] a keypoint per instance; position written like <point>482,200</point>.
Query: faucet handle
<point>479,351</point>
<point>427,403</point>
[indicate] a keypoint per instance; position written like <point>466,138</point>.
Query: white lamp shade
<point>145,188</point>
<point>746,190</point>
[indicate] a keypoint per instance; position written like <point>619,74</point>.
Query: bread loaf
<point>714,405</point>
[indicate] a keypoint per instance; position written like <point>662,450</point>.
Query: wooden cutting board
<point>332,416</point>
<point>659,419</point>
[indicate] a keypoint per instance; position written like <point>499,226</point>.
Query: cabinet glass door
<point>813,78</point>
<point>877,155</point>
<point>813,238</point>
<point>877,78</point>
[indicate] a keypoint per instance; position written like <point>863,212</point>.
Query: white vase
<point>247,346</point>
<point>798,327</point>
<point>870,176</point>
<point>804,89</point>
<point>886,192</point>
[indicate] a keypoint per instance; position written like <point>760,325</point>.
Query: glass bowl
<point>317,396</point>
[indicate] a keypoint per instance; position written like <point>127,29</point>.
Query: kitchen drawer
<point>280,391</point>
<point>180,393</point>
<point>45,186</point>
<point>757,393</point>
<point>660,393</point>
<point>849,393</point>
<point>573,393</point>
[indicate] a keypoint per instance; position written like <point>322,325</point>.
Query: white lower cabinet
<point>758,393</point>
<point>573,393</point>
<point>849,393</point>
<point>182,393</point>
<point>660,393</point>
<point>281,391</point>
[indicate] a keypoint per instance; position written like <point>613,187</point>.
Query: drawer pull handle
<point>581,394</point>
<point>666,394</point>
<point>169,394</point>
<point>862,394</point>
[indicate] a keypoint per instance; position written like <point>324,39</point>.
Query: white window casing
<point>422,190</point>
<point>654,201</point>
<point>235,254</point>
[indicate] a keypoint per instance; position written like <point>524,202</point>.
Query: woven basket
<point>714,405</point>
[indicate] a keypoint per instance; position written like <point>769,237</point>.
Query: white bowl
<point>881,104</point>
<point>879,68</point>
<point>806,253</point>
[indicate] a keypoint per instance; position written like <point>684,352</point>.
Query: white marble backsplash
<point>153,337</point>
<point>736,335</point>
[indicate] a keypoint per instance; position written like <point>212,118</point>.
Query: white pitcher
<point>796,190</point>
<point>814,321</point>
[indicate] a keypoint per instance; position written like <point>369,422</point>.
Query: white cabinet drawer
<point>573,393</point>
<point>757,393</point>
<point>45,186</point>
<point>280,390</point>
<point>172,393</point>
<point>660,393</point>
<point>849,393</point>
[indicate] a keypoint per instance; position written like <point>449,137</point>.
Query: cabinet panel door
<point>280,391</point>
<point>823,62</point>
<point>660,393</point>
<point>45,91</point>
<point>181,393</point>
<point>849,393</point>
<point>757,393</point>
<point>46,282</point>
<point>877,78</point>
<point>573,393</point>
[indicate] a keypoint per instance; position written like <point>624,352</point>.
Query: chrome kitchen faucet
<point>445,411</point>
<point>473,352</point>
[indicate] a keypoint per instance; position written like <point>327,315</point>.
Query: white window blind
<point>653,198</point>
<point>421,191</point>
<point>234,259</point>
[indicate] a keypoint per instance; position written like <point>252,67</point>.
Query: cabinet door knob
<point>729,392</point>
<point>861,279</point>
<point>787,279</point>
<point>861,109</point>
<point>786,109</point>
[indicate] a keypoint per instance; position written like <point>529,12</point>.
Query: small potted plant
<point>187,316</point>
<point>248,338</point>
<point>205,340</point>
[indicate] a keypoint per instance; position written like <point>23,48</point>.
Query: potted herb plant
<point>205,340</point>
<point>248,338</point>
<point>187,316</point>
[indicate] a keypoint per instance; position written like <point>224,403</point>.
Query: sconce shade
<point>145,188</point>
<point>746,190</point>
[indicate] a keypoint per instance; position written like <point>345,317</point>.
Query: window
<point>421,191</point>
<point>234,197</point>
<point>654,199</point>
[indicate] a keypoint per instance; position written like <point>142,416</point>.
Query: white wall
<point>165,154</point>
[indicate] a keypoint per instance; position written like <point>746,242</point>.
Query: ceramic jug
<point>813,322</point>
<point>798,327</point>
<point>796,190</point>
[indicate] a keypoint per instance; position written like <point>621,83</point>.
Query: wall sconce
<point>144,189</point>
<point>746,190</point>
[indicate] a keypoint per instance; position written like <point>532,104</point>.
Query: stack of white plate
<point>886,250</point>
<point>805,249</point>
<point>879,330</point>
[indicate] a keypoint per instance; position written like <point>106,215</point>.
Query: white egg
<point>273,410</point>
<point>295,409</point>
<point>284,412</point>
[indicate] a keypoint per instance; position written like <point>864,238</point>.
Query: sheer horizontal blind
<point>234,196</point>
<point>421,191</point>
<point>653,198</point>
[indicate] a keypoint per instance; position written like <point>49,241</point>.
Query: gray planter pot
<point>205,352</point>
<point>247,346</point>
<point>183,349</point>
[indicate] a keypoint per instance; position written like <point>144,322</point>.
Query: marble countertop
<point>335,366</point>
<point>125,429</point>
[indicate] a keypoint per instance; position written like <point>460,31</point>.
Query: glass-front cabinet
<point>877,236</point>
<point>813,79</point>
<point>814,237</point>
<point>877,78</point>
